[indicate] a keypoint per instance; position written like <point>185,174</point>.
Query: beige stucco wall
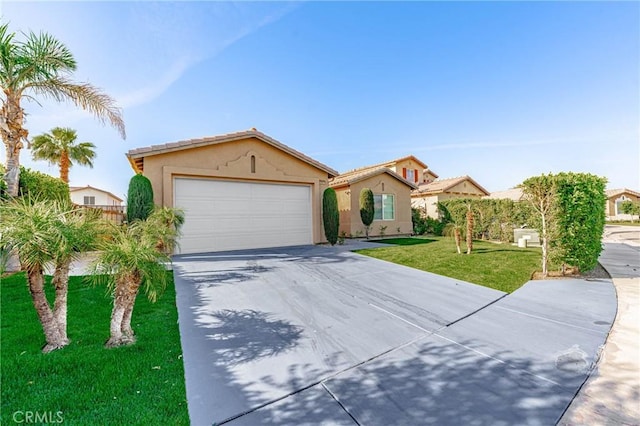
<point>429,204</point>
<point>349,206</point>
<point>466,189</point>
<point>232,161</point>
<point>408,164</point>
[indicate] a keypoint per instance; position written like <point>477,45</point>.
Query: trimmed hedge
<point>581,200</point>
<point>330,215</point>
<point>139,198</point>
<point>37,186</point>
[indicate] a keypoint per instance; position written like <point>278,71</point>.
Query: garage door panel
<point>225,215</point>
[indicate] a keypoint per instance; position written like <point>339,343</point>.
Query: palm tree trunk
<point>61,284</point>
<point>12,132</point>
<point>127,331</point>
<point>458,238</point>
<point>64,166</point>
<point>123,302</point>
<point>49,326</point>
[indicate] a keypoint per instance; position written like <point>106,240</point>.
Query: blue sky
<point>497,90</point>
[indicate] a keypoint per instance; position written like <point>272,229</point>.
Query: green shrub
<point>330,215</point>
<point>37,186</point>
<point>139,198</point>
<point>581,203</point>
<point>367,209</point>
<point>419,221</point>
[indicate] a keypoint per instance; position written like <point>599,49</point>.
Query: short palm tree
<point>41,233</point>
<point>39,66</point>
<point>60,147</point>
<point>135,255</point>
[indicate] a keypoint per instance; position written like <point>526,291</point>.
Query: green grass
<point>499,266</point>
<point>623,222</point>
<point>141,384</point>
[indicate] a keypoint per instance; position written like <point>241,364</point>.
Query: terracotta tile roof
<point>514,194</point>
<point>78,188</point>
<point>391,163</point>
<point>354,176</point>
<point>137,155</point>
<point>442,185</point>
<point>613,192</point>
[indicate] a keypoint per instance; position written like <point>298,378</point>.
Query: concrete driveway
<point>320,335</point>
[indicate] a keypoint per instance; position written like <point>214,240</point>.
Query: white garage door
<point>223,215</point>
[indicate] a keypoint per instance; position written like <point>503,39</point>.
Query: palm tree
<point>134,256</point>
<point>44,232</point>
<point>469,218</point>
<point>60,147</point>
<point>40,66</point>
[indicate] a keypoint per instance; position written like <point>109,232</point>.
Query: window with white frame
<point>384,207</point>
<point>89,200</point>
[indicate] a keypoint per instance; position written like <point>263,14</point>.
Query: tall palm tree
<point>41,233</point>
<point>134,256</point>
<point>40,66</point>
<point>60,147</point>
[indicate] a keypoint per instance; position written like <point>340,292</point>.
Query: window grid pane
<point>377,207</point>
<point>388,212</point>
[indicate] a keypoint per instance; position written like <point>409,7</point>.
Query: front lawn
<point>85,384</point>
<point>499,266</point>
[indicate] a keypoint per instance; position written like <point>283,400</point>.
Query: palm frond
<point>42,57</point>
<point>83,95</point>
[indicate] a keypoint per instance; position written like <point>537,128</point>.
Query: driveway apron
<point>320,335</point>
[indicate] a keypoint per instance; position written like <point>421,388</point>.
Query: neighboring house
<point>615,197</point>
<point>392,200</point>
<point>427,196</point>
<point>514,194</point>
<point>409,167</point>
<point>90,196</point>
<point>97,198</point>
<point>238,191</point>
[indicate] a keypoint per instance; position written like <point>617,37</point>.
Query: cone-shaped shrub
<point>366,208</point>
<point>330,215</point>
<point>139,198</point>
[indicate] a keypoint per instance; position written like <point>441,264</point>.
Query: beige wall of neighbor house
<point>381,184</point>
<point>88,195</point>
<point>428,195</point>
<point>617,196</point>
<point>248,156</point>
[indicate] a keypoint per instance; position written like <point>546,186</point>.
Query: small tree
<point>330,215</point>
<point>135,256</point>
<point>629,207</point>
<point>367,209</point>
<point>540,192</point>
<point>139,198</point>
<point>43,232</point>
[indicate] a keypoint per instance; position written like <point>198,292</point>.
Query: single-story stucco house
<point>427,196</point>
<point>392,201</point>
<point>615,197</point>
<point>239,190</point>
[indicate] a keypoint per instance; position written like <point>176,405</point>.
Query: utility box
<point>529,237</point>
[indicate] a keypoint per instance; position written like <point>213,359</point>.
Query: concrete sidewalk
<point>611,395</point>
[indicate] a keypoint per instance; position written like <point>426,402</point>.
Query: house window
<point>411,175</point>
<point>384,207</point>
<point>253,164</point>
<point>89,201</point>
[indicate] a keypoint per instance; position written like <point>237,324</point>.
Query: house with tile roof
<point>427,196</point>
<point>391,195</point>
<point>96,198</point>
<point>615,197</point>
